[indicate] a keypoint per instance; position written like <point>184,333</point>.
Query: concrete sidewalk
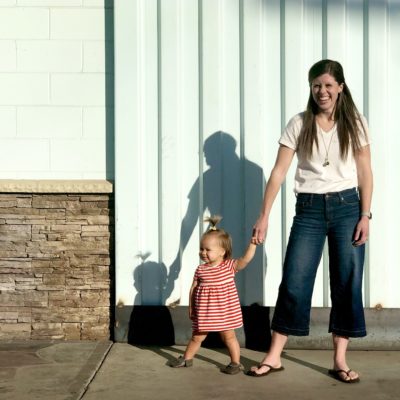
<point>48,370</point>
<point>102,371</point>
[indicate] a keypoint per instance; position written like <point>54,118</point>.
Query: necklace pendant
<point>325,163</point>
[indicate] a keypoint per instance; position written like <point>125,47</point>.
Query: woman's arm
<point>365,186</point>
<point>283,160</point>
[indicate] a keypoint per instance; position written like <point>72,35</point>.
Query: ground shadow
<point>165,352</point>
<point>307,364</point>
<point>169,353</point>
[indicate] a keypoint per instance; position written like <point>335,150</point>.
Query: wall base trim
<point>164,326</point>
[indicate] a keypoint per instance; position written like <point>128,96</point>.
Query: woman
<point>333,185</point>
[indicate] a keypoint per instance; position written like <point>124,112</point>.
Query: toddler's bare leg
<point>194,344</point>
<point>231,342</point>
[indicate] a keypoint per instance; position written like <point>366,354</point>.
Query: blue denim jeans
<point>332,215</point>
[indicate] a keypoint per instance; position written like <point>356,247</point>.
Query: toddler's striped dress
<point>216,302</point>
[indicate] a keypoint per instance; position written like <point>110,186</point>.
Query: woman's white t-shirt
<point>311,175</point>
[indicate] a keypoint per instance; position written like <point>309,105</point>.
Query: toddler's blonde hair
<point>225,240</point>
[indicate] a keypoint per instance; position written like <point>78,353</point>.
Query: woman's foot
<point>263,370</point>
<point>265,367</point>
<point>346,376</point>
<point>341,370</point>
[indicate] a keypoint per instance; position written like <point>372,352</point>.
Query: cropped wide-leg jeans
<point>320,216</point>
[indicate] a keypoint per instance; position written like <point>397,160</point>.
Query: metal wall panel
<point>203,90</point>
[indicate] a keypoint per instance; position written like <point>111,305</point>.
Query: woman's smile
<point>325,91</point>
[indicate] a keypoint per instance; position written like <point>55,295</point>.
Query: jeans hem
<point>352,334</point>
<point>289,331</point>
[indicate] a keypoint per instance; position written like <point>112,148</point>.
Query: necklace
<point>326,161</point>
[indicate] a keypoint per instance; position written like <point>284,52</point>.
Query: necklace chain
<point>326,161</point>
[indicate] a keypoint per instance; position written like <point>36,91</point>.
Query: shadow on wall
<point>150,324</point>
<point>154,326</point>
<point>231,187</point>
<point>109,87</point>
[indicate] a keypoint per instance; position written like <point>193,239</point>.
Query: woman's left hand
<point>362,232</point>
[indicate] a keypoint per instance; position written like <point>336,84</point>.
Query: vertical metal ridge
<point>324,29</point>
<point>367,277</point>
<point>201,112</point>
<point>242,111</point>
<point>141,110</point>
<point>222,115</point>
<point>159,142</point>
<point>283,120</point>
<point>242,183</point>
<point>325,257</point>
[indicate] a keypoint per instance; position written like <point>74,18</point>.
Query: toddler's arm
<point>194,284</point>
<point>248,255</point>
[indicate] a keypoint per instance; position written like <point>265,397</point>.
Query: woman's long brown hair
<point>346,115</point>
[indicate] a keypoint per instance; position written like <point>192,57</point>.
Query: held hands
<point>259,231</point>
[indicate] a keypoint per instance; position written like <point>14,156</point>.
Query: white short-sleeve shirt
<point>311,175</point>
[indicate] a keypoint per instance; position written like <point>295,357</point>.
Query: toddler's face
<point>211,251</point>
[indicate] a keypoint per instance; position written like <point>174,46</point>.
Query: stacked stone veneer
<point>55,265</point>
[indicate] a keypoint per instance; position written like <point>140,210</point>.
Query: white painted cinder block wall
<point>56,91</point>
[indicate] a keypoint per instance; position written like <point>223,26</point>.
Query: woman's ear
<point>341,86</point>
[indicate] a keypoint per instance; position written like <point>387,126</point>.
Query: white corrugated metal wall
<point>203,90</point>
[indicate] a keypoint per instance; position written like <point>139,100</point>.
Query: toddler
<point>214,302</point>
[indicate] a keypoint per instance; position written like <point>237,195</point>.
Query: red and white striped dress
<point>216,302</point>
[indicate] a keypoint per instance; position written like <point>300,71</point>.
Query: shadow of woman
<point>232,187</point>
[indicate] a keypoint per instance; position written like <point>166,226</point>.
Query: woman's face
<point>325,91</point>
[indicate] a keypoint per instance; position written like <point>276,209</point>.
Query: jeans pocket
<point>351,199</point>
<point>304,200</point>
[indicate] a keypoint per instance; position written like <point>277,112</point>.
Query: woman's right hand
<point>278,174</point>
<point>259,231</point>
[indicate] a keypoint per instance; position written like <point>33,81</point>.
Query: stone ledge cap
<point>55,186</point>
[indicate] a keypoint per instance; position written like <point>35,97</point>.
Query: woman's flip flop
<point>271,369</point>
<point>337,374</point>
